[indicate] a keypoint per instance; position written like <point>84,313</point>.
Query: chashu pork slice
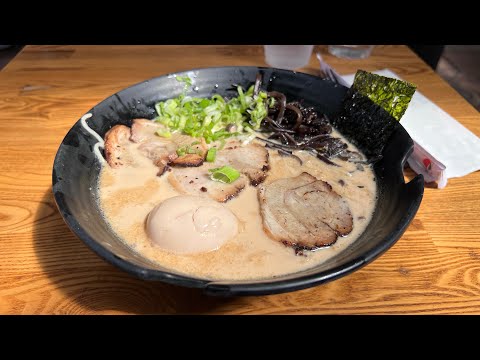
<point>115,147</point>
<point>251,160</point>
<point>162,151</point>
<point>278,221</point>
<point>317,202</point>
<point>304,212</point>
<point>188,160</point>
<point>161,154</point>
<point>118,153</point>
<point>144,131</point>
<point>196,181</point>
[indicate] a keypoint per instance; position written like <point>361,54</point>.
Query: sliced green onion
<point>210,117</point>
<point>211,154</point>
<point>222,144</point>
<point>182,150</point>
<point>241,96</point>
<point>164,133</point>
<point>225,174</point>
<point>185,79</point>
<point>271,102</point>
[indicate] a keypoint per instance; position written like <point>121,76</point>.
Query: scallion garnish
<point>224,174</point>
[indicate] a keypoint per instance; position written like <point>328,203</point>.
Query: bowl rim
<point>245,287</point>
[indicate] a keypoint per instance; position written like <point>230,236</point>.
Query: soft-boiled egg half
<point>191,224</point>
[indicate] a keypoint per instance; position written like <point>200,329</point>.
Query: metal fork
<point>326,71</point>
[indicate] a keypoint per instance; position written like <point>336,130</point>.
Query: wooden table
<point>45,269</point>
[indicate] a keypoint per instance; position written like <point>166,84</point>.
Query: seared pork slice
<point>199,145</point>
<point>160,153</point>
<point>199,148</point>
<point>196,181</point>
<point>317,201</point>
<point>304,212</point>
<point>278,222</point>
<point>116,140</point>
<point>188,160</point>
<point>143,130</point>
<point>251,160</point>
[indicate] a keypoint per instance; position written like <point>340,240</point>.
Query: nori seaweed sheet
<point>366,124</point>
<point>391,94</point>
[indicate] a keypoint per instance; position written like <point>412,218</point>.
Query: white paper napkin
<point>439,134</point>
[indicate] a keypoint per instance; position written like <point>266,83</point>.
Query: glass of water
<point>288,56</point>
<point>351,51</point>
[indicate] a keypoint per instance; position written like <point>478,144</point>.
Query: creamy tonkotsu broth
<point>128,194</point>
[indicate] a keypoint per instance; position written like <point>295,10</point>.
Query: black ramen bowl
<point>76,171</point>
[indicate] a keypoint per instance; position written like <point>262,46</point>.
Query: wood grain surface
<point>45,269</point>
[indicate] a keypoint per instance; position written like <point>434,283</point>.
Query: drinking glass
<point>351,51</point>
<point>288,57</point>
